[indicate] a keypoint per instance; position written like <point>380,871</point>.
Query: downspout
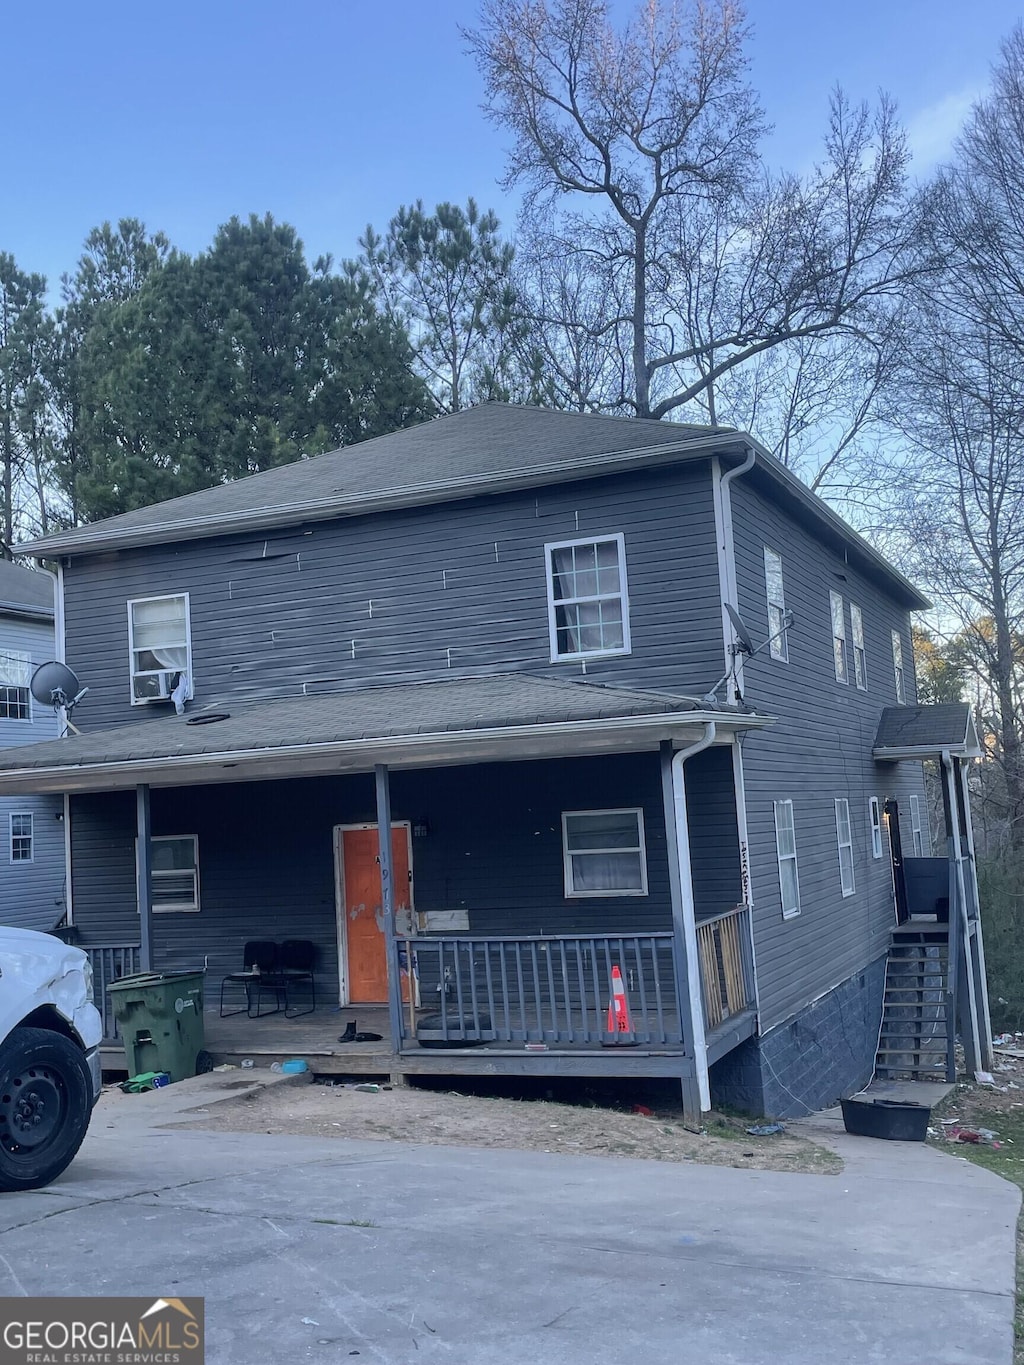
<point>59,649</point>
<point>726,553</point>
<point>695,991</point>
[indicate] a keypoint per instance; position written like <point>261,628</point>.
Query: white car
<point>50,1034</point>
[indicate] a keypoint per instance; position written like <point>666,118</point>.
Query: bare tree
<point>639,153</point>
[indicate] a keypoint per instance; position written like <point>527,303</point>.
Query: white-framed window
<point>15,676</point>
<point>875,818</point>
<point>835,602</point>
<point>22,850</point>
<point>897,668</point>
<point>604,853</point>
<point>844,838</point>
<point>779,647</point>
<point>175,871</point>
<point>785,842</point>
<point>159,647</point>
<point>588,607</point>
<point>920,850</point>
<point>860,658</point>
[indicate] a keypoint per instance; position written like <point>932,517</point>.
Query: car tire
<point>45,1106</point>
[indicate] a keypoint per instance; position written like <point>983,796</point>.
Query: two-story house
<point>32,829</point>
<point>506,635</point>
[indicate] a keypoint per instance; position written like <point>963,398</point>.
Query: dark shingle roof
<point>483,445</point>
<point>489,449</point>
<point>927,729</point>
<point>25,592</point>
<point>465,707</point>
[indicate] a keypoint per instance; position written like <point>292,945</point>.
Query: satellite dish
<point>54,684</point>
<point>746,644</point>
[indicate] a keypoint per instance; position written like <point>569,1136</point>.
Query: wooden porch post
<point>966,998</point>
<point>144,877</point>
<point>692,1108</point>
<point>387,902</point>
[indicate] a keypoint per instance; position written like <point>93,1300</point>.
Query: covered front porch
<point>526,876</point>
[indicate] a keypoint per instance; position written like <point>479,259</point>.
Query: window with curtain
<point>874,811</point>
<point>175,872</point>
<point>587,605</point>
<point>897,668</point>
<point>159,639</point>
<point>604,853</point>
<point>860,665</point>
<point>844,838</point>
<point>15,676</point>
<point>779,648</point>
<point>838,636</point>
<point>785,843</point>
<point>21,838</point>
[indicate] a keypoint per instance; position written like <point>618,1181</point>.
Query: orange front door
<point>364,916</point>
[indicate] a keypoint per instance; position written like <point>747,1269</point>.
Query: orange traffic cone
<point>618,1008</point>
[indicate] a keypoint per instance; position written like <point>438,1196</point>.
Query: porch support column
<point>144,877</point>
<point>967,1000</point>
<point>387,903</point>
<point>696,1090</point>
<point>976,958</point>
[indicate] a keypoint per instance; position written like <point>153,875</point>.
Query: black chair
<point>260,975</point>
<point>295,964</point>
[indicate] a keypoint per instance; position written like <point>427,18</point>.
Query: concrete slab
<point>497,1256</point>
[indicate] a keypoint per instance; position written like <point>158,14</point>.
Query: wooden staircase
<point>916,1041</point>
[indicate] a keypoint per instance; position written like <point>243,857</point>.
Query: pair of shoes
<point>351,1036</point>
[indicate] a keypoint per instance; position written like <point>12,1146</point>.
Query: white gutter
<point>694,989</point>
<point>27,779</point>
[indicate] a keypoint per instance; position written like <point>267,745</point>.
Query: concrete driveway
<point>500,1258</point>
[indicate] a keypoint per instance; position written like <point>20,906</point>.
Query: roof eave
<point>922,751</point>
<point>444,748</point>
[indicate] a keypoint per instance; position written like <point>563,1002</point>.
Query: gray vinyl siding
<point>819,750</point>
<point>493,849</point>
<point>31,893</point>
<point>432,592</point>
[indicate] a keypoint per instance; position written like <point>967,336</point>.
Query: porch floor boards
<point>314,1037</point>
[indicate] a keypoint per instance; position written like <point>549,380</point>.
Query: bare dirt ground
<point>446,1118</point>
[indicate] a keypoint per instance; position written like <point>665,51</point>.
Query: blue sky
<point>331,113</point>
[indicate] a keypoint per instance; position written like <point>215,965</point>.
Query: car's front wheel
<point>45,1104</point>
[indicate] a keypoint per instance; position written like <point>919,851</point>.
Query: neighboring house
<point>501,632</point>
<point>32,861</point>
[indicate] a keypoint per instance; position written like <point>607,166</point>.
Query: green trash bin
<point>160,1018</point>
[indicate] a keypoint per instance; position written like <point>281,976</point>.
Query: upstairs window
<point>175,872</point>
<point>875,814</point>
<point>844,838</point>
<point>839,637</point>
<point>15,676</point>
<point>588,612</point>
<point>915,824</point>
<point>776,604</point>
<point>785,843</point>
<point>860,665</point>
<point>160,645</point>
<point>604,853</point>
<point>21,838</point>
<point>897,668</point>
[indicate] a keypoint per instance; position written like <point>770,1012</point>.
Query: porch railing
<point>541,989</point>
<point>110,961</point>
<point>726,965</point>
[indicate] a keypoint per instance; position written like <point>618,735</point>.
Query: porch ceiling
<point>503,717</point>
